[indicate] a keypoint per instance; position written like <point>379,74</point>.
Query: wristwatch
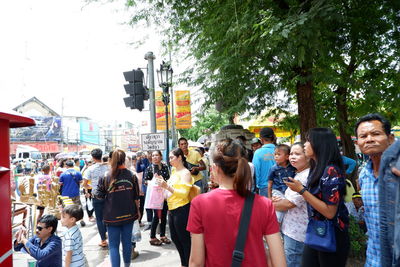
<point>302,190</point>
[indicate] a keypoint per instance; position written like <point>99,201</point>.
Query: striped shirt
<point>72,241</point>
<point>369,192</point>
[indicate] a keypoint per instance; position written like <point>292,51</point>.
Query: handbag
<point>238,252</point>
<point>154,196</point>
<point>190,166</point>
<point>194,191</point>
<point>320,235</point>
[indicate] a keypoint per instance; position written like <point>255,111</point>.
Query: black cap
<point>70,163</point>
<point>267,133</point>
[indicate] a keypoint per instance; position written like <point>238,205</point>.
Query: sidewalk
<point>149,256</point>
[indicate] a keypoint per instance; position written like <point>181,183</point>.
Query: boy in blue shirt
<point>278,173</point>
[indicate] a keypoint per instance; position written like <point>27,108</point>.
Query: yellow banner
<point>160,113</point>
<point>183,112</point>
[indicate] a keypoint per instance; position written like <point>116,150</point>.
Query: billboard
<point>89,132</point>
<point>46,129</point>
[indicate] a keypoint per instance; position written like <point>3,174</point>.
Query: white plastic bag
<point>136,234</point>
<point>89,204</point>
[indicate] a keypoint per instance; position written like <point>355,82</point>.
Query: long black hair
<point>326,151</point>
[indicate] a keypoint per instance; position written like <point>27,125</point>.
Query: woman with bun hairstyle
<point>324,193</point>
<point>178,188</point>
<point>214,217</point>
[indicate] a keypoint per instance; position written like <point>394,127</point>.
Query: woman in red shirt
<point>214,217</point>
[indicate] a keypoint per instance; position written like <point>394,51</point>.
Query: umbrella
<point>65,155</point>
<point>195,144</point>
<point>202,139</point>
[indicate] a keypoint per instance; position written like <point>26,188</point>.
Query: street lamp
<point>164,75</point>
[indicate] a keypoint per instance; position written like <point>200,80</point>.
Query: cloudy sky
<point>67,49</point>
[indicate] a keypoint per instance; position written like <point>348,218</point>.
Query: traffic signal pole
<point>149,56</point>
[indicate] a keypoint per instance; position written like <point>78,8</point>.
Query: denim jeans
<point>116,235</point>
<point>263,191</point>
<point>199,183</point>
<point>98,205</point>
<point>293,251</point>
<point>389,207</point>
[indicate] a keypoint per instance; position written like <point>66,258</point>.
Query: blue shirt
<point>349,163</point>
<point>70,180</point>
<point>369,193</point>
<point>49,254</point>
<point>277,173</point>
<point>263,160</point>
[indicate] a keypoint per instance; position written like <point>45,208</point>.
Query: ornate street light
<point>164,75</point>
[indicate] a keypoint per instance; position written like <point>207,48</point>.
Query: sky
<point>71,50</point>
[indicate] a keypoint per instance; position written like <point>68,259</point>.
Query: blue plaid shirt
<point>369,192</point>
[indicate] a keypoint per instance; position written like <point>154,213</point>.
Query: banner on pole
<point>183,117</point>
<point>160,113</point>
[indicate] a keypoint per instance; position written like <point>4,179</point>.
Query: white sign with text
<point>153,141</point>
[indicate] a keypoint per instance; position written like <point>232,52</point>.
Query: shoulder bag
<point>320,235</point>
<point>238,252</point>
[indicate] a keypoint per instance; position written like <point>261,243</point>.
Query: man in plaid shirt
<point>373,138</point>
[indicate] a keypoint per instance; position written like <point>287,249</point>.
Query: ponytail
<point>229,157</point>
<point>242,177</point>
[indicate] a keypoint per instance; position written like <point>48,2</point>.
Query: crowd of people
<point>300,202</point>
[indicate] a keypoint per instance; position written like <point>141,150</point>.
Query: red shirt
<point>216,215</point>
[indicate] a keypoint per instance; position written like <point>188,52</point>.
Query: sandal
<point>165,240</point>
<point>155,242</point>
<point>103,243</point>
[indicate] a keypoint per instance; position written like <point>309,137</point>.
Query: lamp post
<point>164,75</point>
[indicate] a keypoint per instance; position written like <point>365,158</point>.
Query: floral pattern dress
<point>331,190</point>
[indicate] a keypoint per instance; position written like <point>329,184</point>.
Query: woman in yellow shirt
<point>178,188</point>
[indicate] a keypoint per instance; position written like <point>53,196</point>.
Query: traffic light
<point>135,89</point>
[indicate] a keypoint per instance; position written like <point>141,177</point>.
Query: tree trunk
<point>306,104</point>
<point>343,124</point>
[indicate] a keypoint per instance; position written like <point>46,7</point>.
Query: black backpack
<point>120,206</point>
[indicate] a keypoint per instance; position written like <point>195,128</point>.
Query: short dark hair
<point>374,117</point>
<point>105,158</point>
<point>97,153</point>
<point>285,148</point>
<point>76,160</point>
<point>74,211</point>
<point>46,168</point>
<point>182,139</point>
<point>70,163</point>
<point>49,221</point>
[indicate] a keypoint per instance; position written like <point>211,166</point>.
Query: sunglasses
<point>40,228</point>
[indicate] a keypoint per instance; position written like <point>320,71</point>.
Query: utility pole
<point>173,130</point>
<point>149,56</point>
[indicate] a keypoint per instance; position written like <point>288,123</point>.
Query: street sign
<point>153,141</point>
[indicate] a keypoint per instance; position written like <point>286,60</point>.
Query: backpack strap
<point>238,252</point>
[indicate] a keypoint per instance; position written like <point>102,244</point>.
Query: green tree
<point>338,57</point>
<point>207,123</point>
